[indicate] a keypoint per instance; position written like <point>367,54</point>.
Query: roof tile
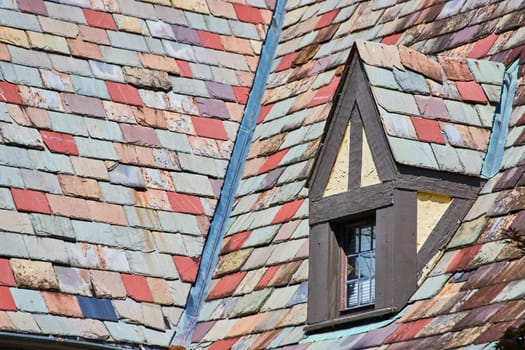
<point>29,300</point>
<point>107,284</point>
<point>62,304</point>
<point>396,102</point>
<point>99,19</point>
<point>137,287</point>
<point>420,63</point>
<point>226,285</point>
<point>428,130</point>
<point>379,55</point>
<point>483,46</point>
<point>31,201</point>
<point>404,152</point>
<point>187,267</point>
<point>398,125</point>
<point>9,93</point>
<point>124,93</point>
<point>432,107</point>
<point>7,302</point>
<point>407,331</point>
<point>411,82</point>
<point>487,71</point>
<point>381,77</point>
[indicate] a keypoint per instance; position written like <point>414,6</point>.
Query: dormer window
<point>398,169</point>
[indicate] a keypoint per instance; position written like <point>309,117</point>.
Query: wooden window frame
<point>396,264</point>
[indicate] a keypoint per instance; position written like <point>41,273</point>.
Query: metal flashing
<point>500,127</point>
<point>234,171</point>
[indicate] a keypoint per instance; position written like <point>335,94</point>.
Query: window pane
<point>366,238</point>
<point>360,266</point>
<point>351,268</point>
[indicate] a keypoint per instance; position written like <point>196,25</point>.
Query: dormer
<point>398,168</point>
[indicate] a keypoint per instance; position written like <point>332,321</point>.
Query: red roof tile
<point>187,267</point>
<point>235,241</point>
<point>287,211</point>
<point>267,277</point>
<point>225,344</point>
<point>471,91</point>
<point>100,19</point>
<point>326,19</point>
<point>428,130</point>
<point>227,285</point>
<point>482,47</point>
<point>287,61</point>
<point>209,127</point>
<point>463,258</point>
<point>210,40</point>
<point>6,274</point>
<point>59,143</point>
<point>265,109</point>
<point>325,93</point>
<point>407,331</point>
<point>391,39</point>
<point>185,203</point>
<point>9,93</point>
<point>124,93</point>
<point>137,287</point>
<point>273,161</point>
<point>31,201</point>
<point>241,93</point>
<point>184,69</point>
<point>248,13</point>
<point>6,299</point>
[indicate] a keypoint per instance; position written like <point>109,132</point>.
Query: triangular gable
<point>338,180</point>
<point>355,152</point>
<point>369,172</point>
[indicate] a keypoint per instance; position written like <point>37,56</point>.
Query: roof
<point>117,120</point>
<point>117,123</point>
<point>437,113</point>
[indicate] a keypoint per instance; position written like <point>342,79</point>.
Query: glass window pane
<point>351,268</point>
<point>366,238</point>
<point>360,266</point>
<point>352,294</point>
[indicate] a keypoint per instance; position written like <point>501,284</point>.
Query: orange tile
<point>154,199</point>
<point>160,291</point>
<point>246,325</point>
<point>68,206</point>
<point>77,186</point>
<point>105,212</point>
<point>93,35</point>
<point>83,49</point>
<point>62,304</point>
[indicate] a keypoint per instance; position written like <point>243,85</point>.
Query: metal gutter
<point>212,246</point>
<point>500,127</point>
<point>40,342</point>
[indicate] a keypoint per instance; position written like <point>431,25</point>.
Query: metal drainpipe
<point>212,246</point>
